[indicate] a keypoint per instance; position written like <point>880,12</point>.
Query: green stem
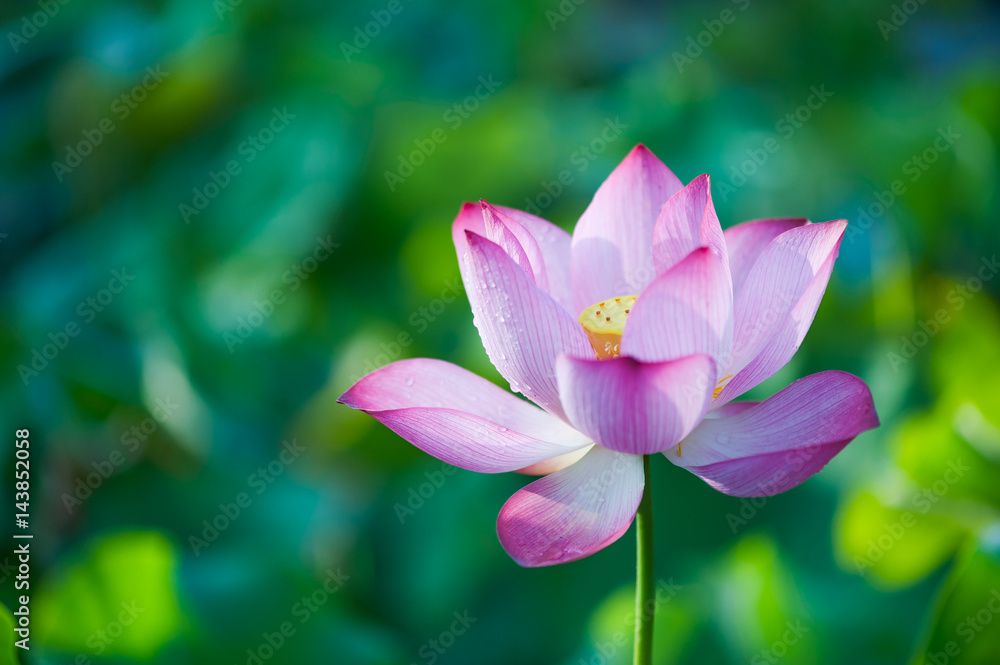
<point>645,585</point>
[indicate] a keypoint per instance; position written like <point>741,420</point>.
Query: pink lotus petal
<point>469,218</point>
<point>687,310</point>
<point>634,407</point>
<point>687,222</point>
<point>522,327</point>
<point>773,446</point>
<point>555,464</point>
<point>554,246</point>
<point>546,246</point>
<point>746,241</point>
<point>731,409</point>
<point>574,512</point>
<point>778,302</point>
<point>612,242</point>
<point>516,242</point>
<point>461,418</point>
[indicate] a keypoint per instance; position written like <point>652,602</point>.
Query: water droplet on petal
<point>409,380</point>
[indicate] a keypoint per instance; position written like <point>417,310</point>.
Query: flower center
<point>604,324</point>
<point>721,385</point>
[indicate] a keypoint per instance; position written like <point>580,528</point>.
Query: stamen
<point>722,385</point>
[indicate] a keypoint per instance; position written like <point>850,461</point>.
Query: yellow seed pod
<point>604,324</point>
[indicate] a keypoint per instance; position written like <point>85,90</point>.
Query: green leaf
<point>680,614</point>
<point>894,547</point>
<point>966,353</point>
<point>118,597</point>
<point>7,637</point>
<point>964,629</point>
<point>935,455</point>
<point>759,607</point>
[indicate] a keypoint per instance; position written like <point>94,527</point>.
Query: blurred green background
<point>215,215</point>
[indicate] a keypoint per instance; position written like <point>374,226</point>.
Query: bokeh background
<point>215,215</point>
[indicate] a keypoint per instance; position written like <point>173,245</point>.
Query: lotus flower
<point>632,337</point>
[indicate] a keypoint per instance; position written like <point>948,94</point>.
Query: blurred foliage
<point>263,214</point>
<point>965,626</point>
<point>8,652</point>
<point>110,592</point>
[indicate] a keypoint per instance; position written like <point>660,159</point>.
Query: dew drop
<point>409,380</point>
